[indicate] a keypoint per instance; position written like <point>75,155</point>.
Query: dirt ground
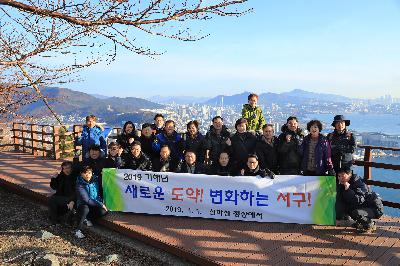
<point>21,222</point>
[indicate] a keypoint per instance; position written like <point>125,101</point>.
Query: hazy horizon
<point>349,48</point>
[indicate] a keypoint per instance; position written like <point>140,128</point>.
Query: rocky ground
<point>27,239</point>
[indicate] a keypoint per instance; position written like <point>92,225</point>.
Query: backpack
<point>374,201</point>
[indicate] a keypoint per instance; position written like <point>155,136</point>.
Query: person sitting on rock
<point>63,201</point>
<point>90,204</point>
<point>355,200</point>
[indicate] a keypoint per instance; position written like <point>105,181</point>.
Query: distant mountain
<point>320,96</point>
<point>177,99</point>
<point>296,96</point>
<point>68,102</point>
<point>99,96</point>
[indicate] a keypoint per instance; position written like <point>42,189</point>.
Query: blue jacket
<point>91,136</point>
<point>89,192</point>
<point>174,142</point>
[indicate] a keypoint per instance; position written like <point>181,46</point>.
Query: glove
<point>269,173</point>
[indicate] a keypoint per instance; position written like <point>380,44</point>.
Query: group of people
<point>252,150</point>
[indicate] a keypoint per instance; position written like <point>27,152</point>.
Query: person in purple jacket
<point>316,152</point>
<point>89,202</point>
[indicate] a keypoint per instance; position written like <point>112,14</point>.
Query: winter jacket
<point>258,172</point>
<point>89,137</point>
<point>267,153</point>
<point>147,146</point>
<point>289,156</point>
<point>64,185</point>
<point>112,162</point>
<point>89,192</point>
<point>156,130</point>
<point>254,116</point>
<point>217,169</point>
<point>216,143</point>
<point>243,144</point>
<point>123,139</point>
<point>164,166</point>
<point>96,165</point>
<point>322,154</point>
<point>343,146</point>
<point>355,196</point>
<point>183,168</point>
<point>174,143</point>
<point>141,163</point>
<point>196,144</point>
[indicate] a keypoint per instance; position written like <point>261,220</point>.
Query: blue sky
<point>345,47</point>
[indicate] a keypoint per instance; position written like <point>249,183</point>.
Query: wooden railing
<point>367,163</point>
<point>55,142</point>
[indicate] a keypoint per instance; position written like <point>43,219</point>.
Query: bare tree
<point>46,42</point>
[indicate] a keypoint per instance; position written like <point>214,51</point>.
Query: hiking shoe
<point>79,234</point>
<point>369,227</point>
<point>88,223</point>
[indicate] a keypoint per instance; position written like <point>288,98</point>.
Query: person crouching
<point>354,199</point>
<point>90,204</point>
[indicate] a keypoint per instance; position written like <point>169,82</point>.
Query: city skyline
<point>346,48</point>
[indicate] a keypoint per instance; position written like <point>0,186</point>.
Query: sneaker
<point>79,234</point>
<point>88,223</point>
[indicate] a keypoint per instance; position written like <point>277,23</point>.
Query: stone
<point>43,235</point>
<point>114,258</point>
<point>48,260</point>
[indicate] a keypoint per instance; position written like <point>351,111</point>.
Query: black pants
<point>89,212</point>
<point>58,207</point>
<point>361,215</point>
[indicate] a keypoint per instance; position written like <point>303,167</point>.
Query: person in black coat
<point>242,143</point>
<point>289,144</point>
<point>354,199</point>
<point>342,143</point>
<point>194,141</point>
<point>165,163</point>
<point>216,140</point>
<point>253,168</point>
<point>189,165</point>
<point>223,166</point>
<point>158,125</point>
<point>127,136</point>
<point>113,159</point>
<point>136,160</point>
<point>266,148</point>
<point>94,161</point>
<point>64,199</point>
<point>146,140</point>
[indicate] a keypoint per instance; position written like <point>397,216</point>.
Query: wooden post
<point>24,129</point>
<point>15,135</point>
<point>34,137</point>
<point>44,145</point>
<point>367,158</point>
<point>56,142</point>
